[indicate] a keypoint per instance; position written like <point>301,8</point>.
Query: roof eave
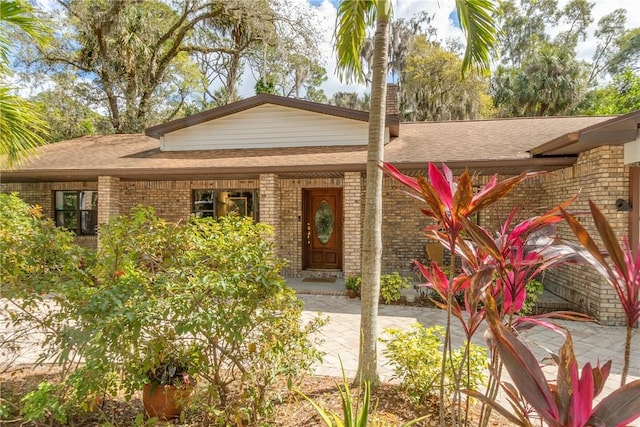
<point>615,131</point>
<point>529,164</point>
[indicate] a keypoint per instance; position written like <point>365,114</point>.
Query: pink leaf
<point>522,367</point>
<point>619,408</point>
<point>582,397</point>
<point>392,171</point>
<point>441,186</point>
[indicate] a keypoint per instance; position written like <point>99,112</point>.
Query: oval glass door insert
<point>324,222</point>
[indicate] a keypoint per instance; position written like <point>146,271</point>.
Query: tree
<point>352,22</point>
<point>67,116</point>
<point>292,60</point>
<point>21,128</point>
<point>433,88</point>
<point>619,97</point>
<point>617,48</point>
<point>265,86</point>
<point>538,75</point>
<point>240,35</point>
<point>353,19</point>
<point>549,83</point>
<point>524,24</point>
<point>142,55</point>
<point>294,75</point>
<point>350,100</point>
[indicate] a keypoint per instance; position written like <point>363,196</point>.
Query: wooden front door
<point>322,228</point>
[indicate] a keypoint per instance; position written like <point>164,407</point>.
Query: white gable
<point>268,126</point>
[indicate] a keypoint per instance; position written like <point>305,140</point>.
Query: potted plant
<point>168,389</point>
<point>352,283</point>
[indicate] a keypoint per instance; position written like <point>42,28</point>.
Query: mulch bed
<point>392,406</point>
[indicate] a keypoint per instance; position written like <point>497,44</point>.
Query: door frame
<point>307,217</point>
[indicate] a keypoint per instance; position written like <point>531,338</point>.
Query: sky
<point>444,11</point>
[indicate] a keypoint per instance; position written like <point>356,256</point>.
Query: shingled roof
<point>499,145</point>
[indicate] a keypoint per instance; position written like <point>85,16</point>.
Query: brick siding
<point>353,215</point>
<point>599,174</point>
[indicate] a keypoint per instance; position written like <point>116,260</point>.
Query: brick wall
<point>353,215</point>
<point>269,201</point>
<point>403,223</point>
<point>599,175</point>
<point>108,198</point>
<point>171,200</point>
<point>392,106</point>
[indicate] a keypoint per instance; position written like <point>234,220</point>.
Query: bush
<point>208,292</point>
<point>36,256</point>
<point>416,355</point>
<point>44,404</point>
<point>41,268</point>
<point>534,289</point>
<point>353,282</point>
<point>391,286</point>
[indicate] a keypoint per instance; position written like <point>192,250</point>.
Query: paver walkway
<point>592,342</point>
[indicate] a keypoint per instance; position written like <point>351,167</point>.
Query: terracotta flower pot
<point>164,401</point>
<point>351,293</point>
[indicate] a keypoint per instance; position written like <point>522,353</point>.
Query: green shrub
<point>391,286</point>
<point>44,404</point>
<point>36,256</point>
<point>44,273</point>
<point>353,282</point>
<point>205,292</point>
<point>534,290</point>
<point>416,355</point>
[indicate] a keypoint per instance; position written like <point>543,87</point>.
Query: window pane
<point>240,203</point>
<point>324,222</point>
<point>217,203</point>
<point>88,222</point>
<point>88,200</point>
<point>68,219</point>
<point>204,203</point>
<point>66,200</point>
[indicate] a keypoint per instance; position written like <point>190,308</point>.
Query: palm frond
<point>20,14</point>
<point>477,23</point>
<point>353,18</point>
<point>20,127</point>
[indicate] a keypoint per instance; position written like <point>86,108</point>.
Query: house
<point>299,166</point>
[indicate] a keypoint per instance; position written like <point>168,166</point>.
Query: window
<point>219,203</point>
<point>77,211</point>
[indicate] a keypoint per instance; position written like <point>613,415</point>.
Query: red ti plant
<point>518,254</point>
<point>622,273</point>
<point>449,202</point>
<point>568,402</point>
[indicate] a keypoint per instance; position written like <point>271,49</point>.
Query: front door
<point>322,228</point>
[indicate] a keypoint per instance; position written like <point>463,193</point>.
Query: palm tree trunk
<point>372,233</point>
